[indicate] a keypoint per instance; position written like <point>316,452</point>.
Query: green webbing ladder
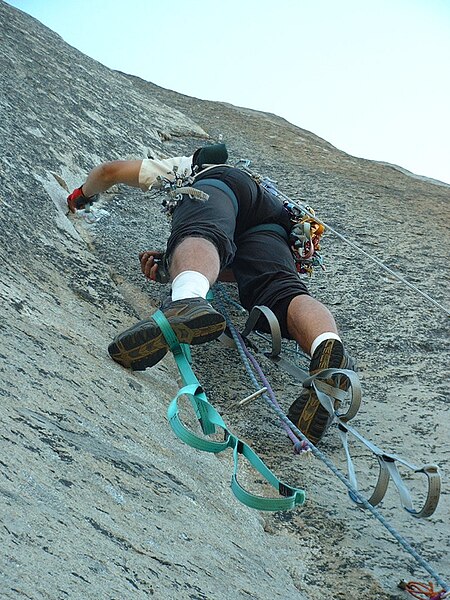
<point>210,420</point>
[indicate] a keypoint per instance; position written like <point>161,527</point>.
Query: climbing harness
<point>307,227</point>
<point>306,231</point>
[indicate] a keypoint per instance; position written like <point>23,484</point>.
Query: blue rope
<point>317,453</point>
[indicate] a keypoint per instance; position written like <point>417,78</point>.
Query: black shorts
<point>249,227</point>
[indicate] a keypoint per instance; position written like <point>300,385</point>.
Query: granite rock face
<point>98,498</point>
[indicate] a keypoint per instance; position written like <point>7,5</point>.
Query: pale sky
<point>372,77</point>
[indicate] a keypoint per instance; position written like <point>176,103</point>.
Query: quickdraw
<point>305,243</point>
<point>174,188</point>
<point>423,591</point>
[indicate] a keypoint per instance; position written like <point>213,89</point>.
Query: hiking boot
<point>194,321</point>
<point>307,413</point>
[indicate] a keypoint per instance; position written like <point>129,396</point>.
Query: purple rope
<point>299,445</point>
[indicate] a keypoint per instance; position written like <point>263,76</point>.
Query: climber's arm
<point>144,174</point>
<point>107,174</point>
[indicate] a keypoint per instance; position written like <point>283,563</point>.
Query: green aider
<point>210,420</point>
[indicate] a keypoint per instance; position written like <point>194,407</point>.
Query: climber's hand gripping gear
<point>154,266</point>
<point>77,200</point>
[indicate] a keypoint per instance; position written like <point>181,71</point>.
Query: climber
<point>242,226</point>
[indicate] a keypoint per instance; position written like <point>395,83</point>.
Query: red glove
<point>153,265</point>
<point>77,200</point>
